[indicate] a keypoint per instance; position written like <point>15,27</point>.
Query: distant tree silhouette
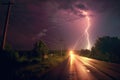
<point>107,48</point>
<point>11,53</point>
<point>85,52</point>
<point>40,49</point>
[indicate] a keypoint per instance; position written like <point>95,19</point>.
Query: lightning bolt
<point>87,17</point>
<point>87,29</point>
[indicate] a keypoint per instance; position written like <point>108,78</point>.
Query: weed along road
<point>82,68</point>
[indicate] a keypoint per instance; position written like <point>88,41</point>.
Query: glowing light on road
<point>71,52</point>
<point>71,57</point>
<point>83,67</point>
<point>87,28</point>
<point>80,64</point>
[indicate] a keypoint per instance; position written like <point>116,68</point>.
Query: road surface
<point>82,68</point>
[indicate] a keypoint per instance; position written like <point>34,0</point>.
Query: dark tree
<point>107,48</point>
<point>40,49</point>
<point>85,52</point>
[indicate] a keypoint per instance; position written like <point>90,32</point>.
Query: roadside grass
<point>36,70</point>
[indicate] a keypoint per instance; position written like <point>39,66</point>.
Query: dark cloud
<point>71,6</point>
<point>98,6</point>
<point>81,6</point>
<point>101,6</point>
<point>94,5</point>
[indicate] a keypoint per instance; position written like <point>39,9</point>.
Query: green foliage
<point>106,48</point>
<point>41,48</point>
<point>53,61</point>
<point>15,56</point>
<point>41,67</point>
<point>22,59</point>
<point>108,44</point>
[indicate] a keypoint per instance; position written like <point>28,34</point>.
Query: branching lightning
<point>87,29</point>
<point>84,13</point>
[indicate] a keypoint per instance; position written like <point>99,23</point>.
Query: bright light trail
<point>79,63</point>
<point>87,28</point>
<point>71,57</point>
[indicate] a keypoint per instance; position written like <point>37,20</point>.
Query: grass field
<point>36,70</point>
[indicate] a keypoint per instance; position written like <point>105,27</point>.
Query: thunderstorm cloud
<point>31,18</point>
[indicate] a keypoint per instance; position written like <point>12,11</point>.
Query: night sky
<point>59,22</point>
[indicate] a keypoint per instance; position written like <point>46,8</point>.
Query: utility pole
<point>5,28</point>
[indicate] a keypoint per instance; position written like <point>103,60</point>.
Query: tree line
<point>105,48</point>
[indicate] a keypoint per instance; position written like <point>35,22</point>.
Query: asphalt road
<point>82,68</point>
